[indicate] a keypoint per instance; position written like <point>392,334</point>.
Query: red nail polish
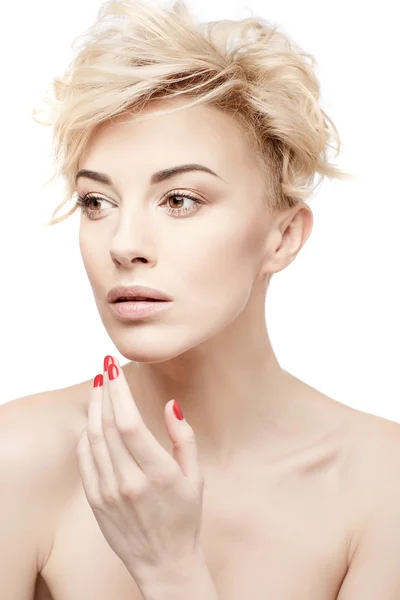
<point>108,360</point>
<point>113,371</point>
<point>98,381</point>
<point>177,411</point>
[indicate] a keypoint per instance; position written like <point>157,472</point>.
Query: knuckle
<point>96,503</point>
<point>130,428</point>
<point>132,491</point>
<point>109,497</point>
<point>108,422</point>
<point>164,478</point>
<point>94,436</point>
<point>186,440</point>
<point>190,438</point>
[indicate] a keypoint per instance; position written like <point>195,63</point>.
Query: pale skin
<point>212,342</point>
<point>285,467</point>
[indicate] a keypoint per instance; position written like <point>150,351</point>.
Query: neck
<point>231,390</point>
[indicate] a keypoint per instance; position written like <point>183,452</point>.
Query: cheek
<point>229,253</point>
<point>218,271</point>
<point>91,257</point>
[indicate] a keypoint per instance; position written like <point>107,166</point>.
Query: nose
<point>131,242</point>
<point>126,261</point>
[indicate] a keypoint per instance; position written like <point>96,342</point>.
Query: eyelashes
<point>84,201</point>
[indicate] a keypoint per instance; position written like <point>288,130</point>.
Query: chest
<point>284,538</point>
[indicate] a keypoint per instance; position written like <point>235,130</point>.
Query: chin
<point>149,351</point>
<point>156,342</point>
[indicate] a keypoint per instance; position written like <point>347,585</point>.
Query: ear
<point>285,238</point>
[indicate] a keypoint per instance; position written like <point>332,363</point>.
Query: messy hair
<point>138,51</point>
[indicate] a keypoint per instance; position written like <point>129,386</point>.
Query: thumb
<point>184,442</point>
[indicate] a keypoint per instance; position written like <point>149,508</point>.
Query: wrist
<point>186,578</point>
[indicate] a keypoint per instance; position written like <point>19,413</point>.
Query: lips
<point>136,293</point>
<point>139,300</point>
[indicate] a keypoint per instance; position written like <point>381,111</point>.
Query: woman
<point>192,149</point>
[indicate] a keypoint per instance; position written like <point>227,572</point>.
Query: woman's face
<point>207,259</point>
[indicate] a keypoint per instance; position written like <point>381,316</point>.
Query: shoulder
<point>374,443</point>
<point>369,483</point>
<point>42,423</point>
<point>377,454</point>
<point>373,475</point>
<point>366,453</point>
<point>370,446</point>
<point>38,437</point>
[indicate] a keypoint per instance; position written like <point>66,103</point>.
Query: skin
<point>301,492</point>
<point>210,349</point>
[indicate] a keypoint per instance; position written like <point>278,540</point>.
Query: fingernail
<point>98,381</point>
<point>113,371</point>
<point>108,360</point>
<point>177,411</point>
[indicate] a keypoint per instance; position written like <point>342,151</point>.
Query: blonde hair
<point>137,51</point>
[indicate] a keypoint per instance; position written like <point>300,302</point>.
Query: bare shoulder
<point>375,442</point>
<point>366,448</point>
<point>38,436</point>
<point>373,499</point>
<point>365,437</point>
<point>370,443</point>
<point>361,437</point>
<point>44,421</point>
<point>371,472</point>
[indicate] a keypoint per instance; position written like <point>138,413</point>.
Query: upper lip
<point>140,291</point>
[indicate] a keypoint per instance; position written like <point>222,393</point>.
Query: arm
<point>374,570</point>
<point>18,544</point>
<point>181,582</point>
<point>28,463</point>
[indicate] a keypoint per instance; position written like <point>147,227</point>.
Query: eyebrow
<point>157,177</point>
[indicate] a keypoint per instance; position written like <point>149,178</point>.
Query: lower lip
<point>137,310</point>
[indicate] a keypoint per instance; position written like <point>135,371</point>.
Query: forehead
<point>200,133</point>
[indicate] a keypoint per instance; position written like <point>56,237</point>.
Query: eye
<point>184,196</point>
<point>85,200</point>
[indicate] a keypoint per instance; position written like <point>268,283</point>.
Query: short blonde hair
<point>138,51</point>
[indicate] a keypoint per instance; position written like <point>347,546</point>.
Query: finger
<point>124,464</point>
<point>98,445</point>
<point>183,438</point>
<point>141,443</point>
<point>88,472</point>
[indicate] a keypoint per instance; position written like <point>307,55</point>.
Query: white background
<point>333,314</point>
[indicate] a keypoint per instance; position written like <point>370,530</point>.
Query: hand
<point>148,504</point>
